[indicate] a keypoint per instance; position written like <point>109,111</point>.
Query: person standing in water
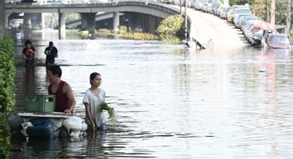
<point>93,97</point>
<point>29,56</point>
<point>65,101</point>
<point>51,53</point>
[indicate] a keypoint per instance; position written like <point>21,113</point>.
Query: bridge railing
<point>79,2</point>
<point>55,7</point>
<point>100,3</point>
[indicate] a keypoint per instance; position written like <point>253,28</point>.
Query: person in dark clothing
<point>51,53</point>
<point>29,56</point>
<point>65,101</point>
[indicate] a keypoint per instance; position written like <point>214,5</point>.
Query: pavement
<point>214,32</point>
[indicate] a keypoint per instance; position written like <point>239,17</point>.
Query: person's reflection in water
<point>93,135</point>
<point>96,142</point>
<point>71,149</point>
<point>29,81</point>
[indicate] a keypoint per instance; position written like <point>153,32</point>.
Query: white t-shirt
<point>94,100</point>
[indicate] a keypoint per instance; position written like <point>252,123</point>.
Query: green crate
<point>40,103</point>
<point>31,104</point>
<point>48,103</point>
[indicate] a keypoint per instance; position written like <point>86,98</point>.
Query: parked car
<point>223,13</point>
<point>247,27</point>
<point>208,8</point>
<point>278,41</point>
<point>255,37</point>
<point>193,3</point>
<point>230,15</point>
<point>246,20</point>
<point>235,9</point>
<point>239,20</point>
<point>215,7</point>
<point>240,11</point>
<point>199,5</point>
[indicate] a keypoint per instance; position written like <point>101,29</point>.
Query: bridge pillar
<point>43,20</point>
<point>83,21</point>
<point>88,22</point>
<point>2,20</point>
<point>144,22</point>
<point>62,29</point>
<point>91,24</point>
<point>32,20</point>
<point>116,21</point>
<point>151,23</point>
<point>26,20</point>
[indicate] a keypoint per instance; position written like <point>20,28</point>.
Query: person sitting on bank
<point>51,53</point>
<point>65,101</point>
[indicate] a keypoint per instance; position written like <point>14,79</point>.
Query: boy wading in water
<point>51,53</point>
<point>29,57</point>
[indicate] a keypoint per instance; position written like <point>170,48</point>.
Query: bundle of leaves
<point>110,110</point>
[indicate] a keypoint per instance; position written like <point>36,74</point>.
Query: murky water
<point>172,102</point>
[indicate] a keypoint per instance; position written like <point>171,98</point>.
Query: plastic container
<point>40,103</point>
<point>103,126</point>
<point>42,128</point>
<point>104,120</point>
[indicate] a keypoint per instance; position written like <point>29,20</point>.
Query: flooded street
<point>172,102</point>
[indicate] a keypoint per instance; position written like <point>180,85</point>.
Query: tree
<point>273,12</point>
<point>259,8</point>
<point>268,10</point>
<point>170,27</point>
<point>288,18</point>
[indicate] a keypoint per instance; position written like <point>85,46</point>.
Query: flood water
<point>172,102</point>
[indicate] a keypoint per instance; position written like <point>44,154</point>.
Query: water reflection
<point>176,103</point>
<point>39,148</point>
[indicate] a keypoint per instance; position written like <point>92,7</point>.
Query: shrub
<point>170,28</point>
<point>7,76</point>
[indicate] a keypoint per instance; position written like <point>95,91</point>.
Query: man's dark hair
<point>56,69</point>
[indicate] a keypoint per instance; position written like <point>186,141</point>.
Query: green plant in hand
<point>110,110</point>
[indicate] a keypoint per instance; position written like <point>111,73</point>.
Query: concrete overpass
<point>153,8</point>
<point>88,11</point>
<point>99,17</point>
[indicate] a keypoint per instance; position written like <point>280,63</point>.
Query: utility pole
<point>180,7</point>
<point>288,19</point>
<point>185,20</point>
